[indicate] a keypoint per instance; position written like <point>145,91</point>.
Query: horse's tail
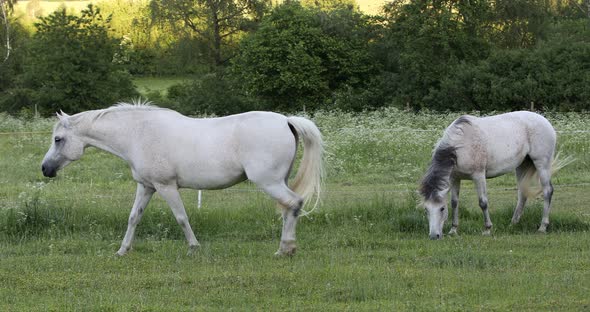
<point>530,184</point>
<point>308,180</point>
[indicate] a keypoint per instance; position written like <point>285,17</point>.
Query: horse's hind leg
<point>291,204</point>
<point>172,197</point>
<point>544,170</point>
<point>521,172</point>
<point>480,185</point>
<point>142,197</point>
<point>455,188</point>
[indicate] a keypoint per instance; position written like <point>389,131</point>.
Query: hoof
<point>543,227</point>
<point>486,232</point>
<point>285,253</point>
<point>192,250</point>
<point>286,249</point>
<point>453,231</point>
<point>122,252</point>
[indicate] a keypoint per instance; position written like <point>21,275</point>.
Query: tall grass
<point>374,162</point>
<point>365,248</point>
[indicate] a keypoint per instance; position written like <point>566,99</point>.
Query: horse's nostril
<point>43,168</point>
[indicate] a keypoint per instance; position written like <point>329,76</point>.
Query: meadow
<point>365,248</point>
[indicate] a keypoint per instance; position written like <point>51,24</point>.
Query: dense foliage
<point>69,66</point>
<point>299,56</point>
<point>250,54</point>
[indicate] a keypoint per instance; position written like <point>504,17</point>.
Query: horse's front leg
<point>142,198</point>
<point>172,197</point>
<point>480,185</point>
<point>455,188</point>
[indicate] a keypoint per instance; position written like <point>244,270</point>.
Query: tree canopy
<point>256,54</point>
<point>70,65</point>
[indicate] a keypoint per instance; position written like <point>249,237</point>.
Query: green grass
<point>364,249</point>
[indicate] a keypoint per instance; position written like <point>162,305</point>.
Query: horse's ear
<point>63,117</point>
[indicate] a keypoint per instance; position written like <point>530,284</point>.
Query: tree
<point>71,64</point>
<point>328,5</point>
<point>520,23</point>
<point>6,7</point>
<point>217,23</point>
<point>212,93</point>
<point>299,56</point>
<point>424,39</point>
<point>13,42</point>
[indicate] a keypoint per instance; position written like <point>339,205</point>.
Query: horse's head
<point>437,212</point>
<point>66,147</point>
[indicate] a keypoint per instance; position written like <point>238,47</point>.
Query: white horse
<point>480,148</point>
<point>167,151</point>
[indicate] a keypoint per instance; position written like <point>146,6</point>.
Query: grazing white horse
<point>480,148</point>
<point>167,151</point>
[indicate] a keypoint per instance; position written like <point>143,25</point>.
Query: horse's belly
<point>210,179</point>
<point>496,172</point>
<point>498,167</point>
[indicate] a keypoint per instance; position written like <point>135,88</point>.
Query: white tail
<point>308,180</point>
<point>530,183</point>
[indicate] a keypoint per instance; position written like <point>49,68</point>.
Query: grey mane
<point>444,160</point>
<point>436,178</point>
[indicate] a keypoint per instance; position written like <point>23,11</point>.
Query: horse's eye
<point>442,209</point>
<point>57,139</point>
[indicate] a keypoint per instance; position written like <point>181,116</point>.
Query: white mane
<point>135,105</point>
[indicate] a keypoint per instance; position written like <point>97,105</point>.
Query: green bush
<point>210,94</point>
<point>70,66</point>
<point>17,100</point>
<point>300,56</point>
<point>552,76</point>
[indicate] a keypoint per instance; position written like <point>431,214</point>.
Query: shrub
<point>299,56</point>
<point>71,64</point>
<point>210,94</point>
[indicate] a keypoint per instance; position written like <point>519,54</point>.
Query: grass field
<point>364,249</point>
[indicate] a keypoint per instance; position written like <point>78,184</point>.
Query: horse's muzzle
<point>435,236</point>
<point>48,171</point>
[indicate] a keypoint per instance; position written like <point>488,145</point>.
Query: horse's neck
<point>109,134</point>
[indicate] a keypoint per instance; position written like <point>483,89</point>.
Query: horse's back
<point>497,144</point>
<point>520,126</point>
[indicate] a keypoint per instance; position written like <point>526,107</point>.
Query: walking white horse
<point>480,148</point>
<point>167,151</point>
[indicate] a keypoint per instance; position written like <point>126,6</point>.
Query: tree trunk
<point>4,7</point>
<point>213,6</point>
